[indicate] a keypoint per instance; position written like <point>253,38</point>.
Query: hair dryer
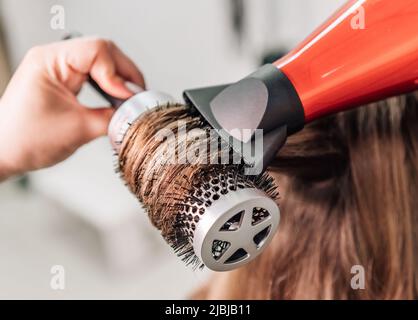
<point>367,51</point>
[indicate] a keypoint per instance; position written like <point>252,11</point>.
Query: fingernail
<point>133,87</point>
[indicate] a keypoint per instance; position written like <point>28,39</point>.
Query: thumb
<point>97,122</point>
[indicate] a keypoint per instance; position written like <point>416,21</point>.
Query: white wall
<point>178,44</point>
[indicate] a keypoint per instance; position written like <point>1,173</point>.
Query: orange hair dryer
<point>365,52</point>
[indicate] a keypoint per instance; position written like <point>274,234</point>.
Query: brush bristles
<point>175,196</point>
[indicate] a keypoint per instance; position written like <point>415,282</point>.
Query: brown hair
<point>175,194</point>
<point>348,197</point>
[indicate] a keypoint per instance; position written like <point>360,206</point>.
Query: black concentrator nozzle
<point>265,100</point>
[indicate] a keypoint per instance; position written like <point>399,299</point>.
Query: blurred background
<point>78,214</point>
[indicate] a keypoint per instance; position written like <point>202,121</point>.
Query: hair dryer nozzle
<point>265,100</point>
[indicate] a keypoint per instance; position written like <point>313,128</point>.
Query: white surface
<point>89,185</point>
<point>35,235</point>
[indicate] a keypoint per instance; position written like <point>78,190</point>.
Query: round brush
<point>213,215</point>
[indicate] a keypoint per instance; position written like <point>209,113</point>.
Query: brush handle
<point>365,52</point>
<point>115,102</point>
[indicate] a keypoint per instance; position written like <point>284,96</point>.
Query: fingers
<point>103,60</point>
<point>126,67</point>
<point>103,71</point>
<point>96,122</point>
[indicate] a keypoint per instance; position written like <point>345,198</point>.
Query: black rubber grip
<point>115,102</point>
<point>283,104</point>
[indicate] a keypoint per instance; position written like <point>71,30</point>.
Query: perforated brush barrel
<point>221,218</point>
<point>230,220</point>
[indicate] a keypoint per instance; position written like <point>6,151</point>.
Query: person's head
<point>348,203</point>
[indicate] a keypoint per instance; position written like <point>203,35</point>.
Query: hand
<point>41,120</point>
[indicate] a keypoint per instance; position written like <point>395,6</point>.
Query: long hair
<point>349,187</point>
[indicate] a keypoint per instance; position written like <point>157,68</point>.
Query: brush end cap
<point>236,229</point>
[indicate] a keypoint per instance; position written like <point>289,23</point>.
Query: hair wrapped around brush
<point>174,191</point>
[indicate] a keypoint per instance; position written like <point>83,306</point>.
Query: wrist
<point>8,167</point>
<point>7,170</point>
